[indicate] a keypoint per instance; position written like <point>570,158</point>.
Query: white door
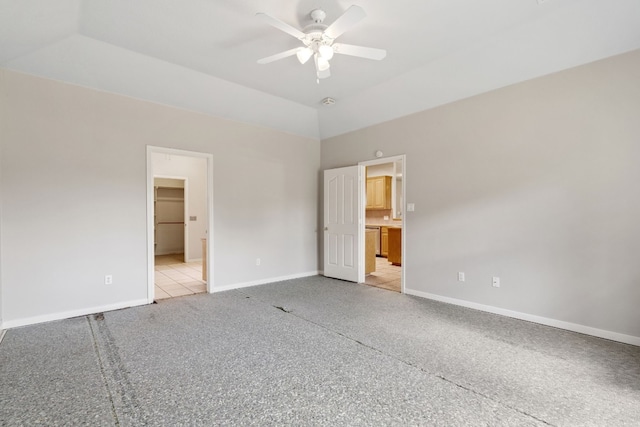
<point>342,224</point>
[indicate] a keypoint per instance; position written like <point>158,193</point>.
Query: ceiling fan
<point>318,40</point>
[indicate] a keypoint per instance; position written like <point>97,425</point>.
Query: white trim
<point>72,313</point>
<point>150,259</point>
<point>403,233</point>
<point>383,160</point>
<point>574,327</point>
<point>2,333</point>
<point>362,196</point>
<point>209,231</point>
<point>264,281</point>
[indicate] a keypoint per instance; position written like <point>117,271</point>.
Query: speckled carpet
<point>312,351</point>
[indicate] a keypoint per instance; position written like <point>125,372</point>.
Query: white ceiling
<point>201,54</point>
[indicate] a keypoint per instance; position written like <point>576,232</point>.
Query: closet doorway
<point>179,200</point>
<point>174,274</point>
<point>169,217</point>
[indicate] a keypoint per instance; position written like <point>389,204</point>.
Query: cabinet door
<point>370,193</point>
<point>379,192</point>
<point>384,241</point>
<point>395,246</point>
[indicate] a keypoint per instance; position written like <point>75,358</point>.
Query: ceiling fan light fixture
<point>304,54</point>
<point>325,51</point>
<point>323,64</point>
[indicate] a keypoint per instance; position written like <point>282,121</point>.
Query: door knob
<point>326,229</point>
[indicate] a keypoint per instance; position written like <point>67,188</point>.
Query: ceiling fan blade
<point>359,51</point>
<point>351,17</point>
<point>280,55</point>
<point>282,26</point>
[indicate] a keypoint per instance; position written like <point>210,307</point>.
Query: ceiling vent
<point>328,101</point>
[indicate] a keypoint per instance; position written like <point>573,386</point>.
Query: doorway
<point>175,274</point>
<point>170,212</point>
<point>383,215</point>
<point>351,251</point>
<point>179,222</point>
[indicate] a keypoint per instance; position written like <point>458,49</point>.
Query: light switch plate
<point>411,207</point>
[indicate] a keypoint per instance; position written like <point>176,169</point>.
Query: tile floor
<point>387,276</point>
<point>175,278</point>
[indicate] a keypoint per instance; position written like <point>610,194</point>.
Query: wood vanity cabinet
<point>379,193</point>
<point>395,246</point>
<point>370,251</point>
<point>384,241</point>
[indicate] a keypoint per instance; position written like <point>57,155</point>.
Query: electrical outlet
<point>257,261</point>
<point>460,276</point>
<point>108,279</point>
<point>496,282</point>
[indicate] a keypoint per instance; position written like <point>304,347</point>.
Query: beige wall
<point>73,186</point>
<point>537,183</point>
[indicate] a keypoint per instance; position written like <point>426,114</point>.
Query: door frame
<point>363,192</point>
<point>209,204</point>
<point>185,200</point>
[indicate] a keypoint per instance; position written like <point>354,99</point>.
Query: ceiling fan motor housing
<point>318,15</point>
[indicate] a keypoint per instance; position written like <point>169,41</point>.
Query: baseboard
<point>600,333</point>
<point>574,327</point>
<point>2,332</point>
<point>83,312</point>
<point>263,281</point>
<point>69,314</point>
